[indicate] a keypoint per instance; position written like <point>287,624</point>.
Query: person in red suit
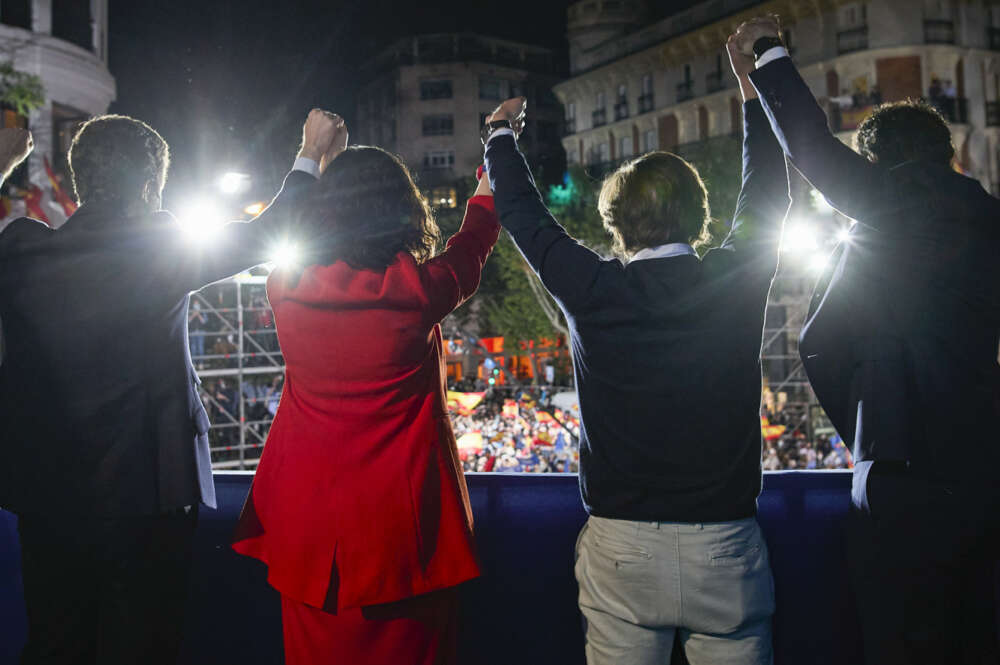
<point>359,506</point>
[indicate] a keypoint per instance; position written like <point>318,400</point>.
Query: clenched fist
<point>512,111</point>
<point>324,136</point>
<point>754,29</point>
<point>15,146</point>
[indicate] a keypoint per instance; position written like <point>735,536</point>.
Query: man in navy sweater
<point>666,350</point>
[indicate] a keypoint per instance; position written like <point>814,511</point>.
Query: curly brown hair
<point>652,200</point>
<point>905,131</point>
<point>371,211</point>
<point>113,157</point>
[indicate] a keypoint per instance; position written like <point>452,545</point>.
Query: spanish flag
<point>58,193</point>
<point>510,408</point>
<point>464,403</point>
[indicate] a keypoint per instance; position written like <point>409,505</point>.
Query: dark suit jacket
<point>902,335</point>
<point>99,405</point>
<point>666,351</point>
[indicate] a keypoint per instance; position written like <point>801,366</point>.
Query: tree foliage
<point>21,91</point>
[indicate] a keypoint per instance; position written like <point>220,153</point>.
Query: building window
<point>16,13</point>
<point>572,157</point>
<point>625,147</point>
<point>444,197</point>
<point>852,28</point>
<point>621,104</point>
<point>600,115</point>
<point>649,140</point>
<point>939,22</point>
<point>603,153</point>
<point>439,125</point>
<point>491,87</point>
<point>685,89</point>
<point>437,89</point>
<point>439,159</point>
<point>569,123</point>
<point>646,98</point>
<point>71,21</point>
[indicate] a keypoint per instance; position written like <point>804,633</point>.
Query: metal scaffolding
<point>234,347</point>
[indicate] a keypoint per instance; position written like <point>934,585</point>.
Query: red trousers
<point>414,631</point>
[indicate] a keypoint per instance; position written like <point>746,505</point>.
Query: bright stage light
<point>799,236</point>
<point>255,209</point>
<point>844,234</point>
<point>233,182</point>
<point>285,255</point>
<point>201,219</point>
<point>818,261</point>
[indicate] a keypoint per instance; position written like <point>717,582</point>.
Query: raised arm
<point>763,201</point>
<point>15,146</point>
<point>238,246</point>
<point>453,276</point>
<point>850,183</point>
<point>568,270</point>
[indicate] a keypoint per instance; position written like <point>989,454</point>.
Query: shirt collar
<point>664,251</point>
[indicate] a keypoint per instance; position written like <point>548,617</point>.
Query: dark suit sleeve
<point>850,183</point>
<point>568,270</point>
<point>239,246</point>
<point>764,200</point>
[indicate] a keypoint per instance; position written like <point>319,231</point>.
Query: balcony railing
<point>599,117</point>
<point>569,126</point>
<point>685,91</point>
<point>621,110</point>
<point>855,39</point>
<point>645,102</point>
<point>938,31</point>
<point>993,38</point>
<point>954,109</point>
<point>993,114</point>
<point>713,82</point>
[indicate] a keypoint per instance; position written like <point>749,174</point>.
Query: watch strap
<point>492,126</point>
<point>765,44</point>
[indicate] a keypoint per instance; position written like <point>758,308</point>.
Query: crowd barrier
<point>523,610</point>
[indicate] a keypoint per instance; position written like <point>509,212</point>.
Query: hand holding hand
<point>754,29</point>
<point>15,146</point>
<point>322,135</point>
<point>513,111</point>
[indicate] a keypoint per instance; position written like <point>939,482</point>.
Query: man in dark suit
<point>666,351</point>
<point>900,345</point>
<point>105,456</point>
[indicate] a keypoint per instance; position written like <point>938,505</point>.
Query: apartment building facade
<point>426,98</point>
<point>637,85</point>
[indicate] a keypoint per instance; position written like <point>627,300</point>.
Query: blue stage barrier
<point>523,610</point>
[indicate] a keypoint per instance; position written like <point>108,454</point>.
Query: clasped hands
<point>324,136</point>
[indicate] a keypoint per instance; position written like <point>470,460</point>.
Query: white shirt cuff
<point>771,55</point>
<point>503,131</point>
<point>310,166</point>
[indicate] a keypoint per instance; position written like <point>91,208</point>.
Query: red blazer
<point>359,498</point>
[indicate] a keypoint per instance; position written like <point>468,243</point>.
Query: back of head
<point>371,211</point>
<point>118,160</point>
<point>653,200</point>
<point>905,131</point>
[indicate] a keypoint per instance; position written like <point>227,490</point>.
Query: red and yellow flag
<point>58,193</point>
<point>464,403</point>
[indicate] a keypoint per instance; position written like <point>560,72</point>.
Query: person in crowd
<point>904,326</point>
<point>359,506</point>
<point>666,350</point>
<point>104,455</point>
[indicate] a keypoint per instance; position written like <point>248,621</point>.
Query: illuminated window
<point>438,125</point>
<point>491,87</point>
<point>625,147</point>
<point>437,89</point>
<point>603,152</point>
<point>444,197</point>
<point>439,159</point>
<point>649,140</point>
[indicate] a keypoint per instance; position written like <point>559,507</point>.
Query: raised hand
<point>742,66</point>
<point>337,145</point>
<point>15,146</point>
<point>513,111</point>
<point>319,132</point>
<point>752,30</point>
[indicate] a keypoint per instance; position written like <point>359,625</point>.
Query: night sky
<point>229,82</point>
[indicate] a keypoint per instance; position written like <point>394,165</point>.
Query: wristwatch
<point>491,127</point>
<point>765,44</point>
